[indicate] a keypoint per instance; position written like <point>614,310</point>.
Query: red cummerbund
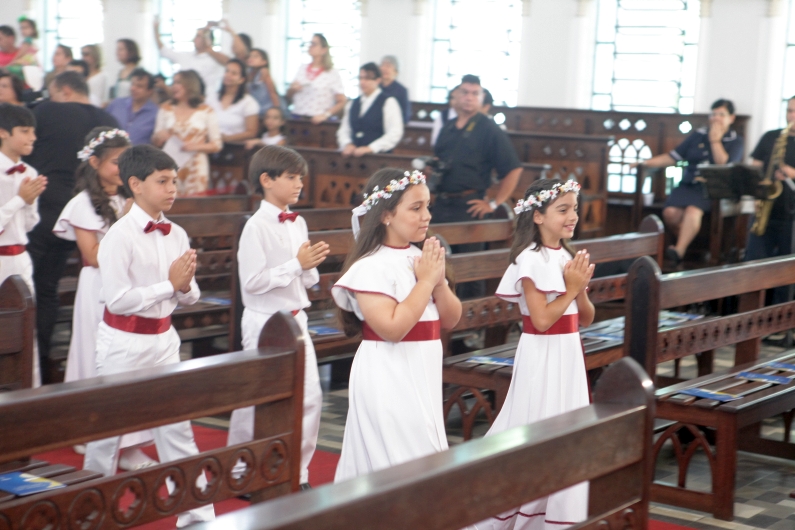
<point>565,324</point>
<point>136,324</point>
<point>423,330</point>
<point>12,250</point>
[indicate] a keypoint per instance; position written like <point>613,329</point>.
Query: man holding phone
<point>200,60</point>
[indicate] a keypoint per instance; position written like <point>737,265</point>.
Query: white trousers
<point>22,265</point>
<point>241,426</point>
<point>117,352</point>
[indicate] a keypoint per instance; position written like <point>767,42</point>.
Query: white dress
<point>395,389</point>
<point>549,378</point>
<point>88,310</point>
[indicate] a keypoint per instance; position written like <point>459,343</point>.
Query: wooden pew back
<point>608,443</point>
<point>270,378</point>
<point>17,322</point>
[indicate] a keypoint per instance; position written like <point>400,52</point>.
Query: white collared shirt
<point>17,217</point>
<point>134,267</point>
<point>271,278</point>
<point>211,72</point>
<point>393,123</point>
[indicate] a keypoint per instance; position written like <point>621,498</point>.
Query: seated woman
<point>238,111</point>
<point>716,144</point>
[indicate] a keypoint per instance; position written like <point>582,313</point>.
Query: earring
<point>387,223</point>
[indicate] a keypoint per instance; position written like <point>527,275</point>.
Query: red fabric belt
<point>565,324</point>
<point>424,330</point>
<point>136,324</point>
<point>12,250</point>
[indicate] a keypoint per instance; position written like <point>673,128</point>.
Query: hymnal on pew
<point>764,378</point>
<point>484,359</point>
<point>706,394</point>
<point>21,484</point>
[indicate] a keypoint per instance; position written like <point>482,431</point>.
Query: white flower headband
<point>370,200</point>
<point>88,151</point>
<point>537,199</point>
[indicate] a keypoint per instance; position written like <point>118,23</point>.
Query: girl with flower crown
<point>394,293</point>
<point>548,280</point>
<point>99,202</point>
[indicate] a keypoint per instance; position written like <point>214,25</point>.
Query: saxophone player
<point>776,147</point>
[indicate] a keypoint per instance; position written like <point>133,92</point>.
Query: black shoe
<point>673,256</point>
<point>305,486</point>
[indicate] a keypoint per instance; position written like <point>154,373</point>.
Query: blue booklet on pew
<point>781,366</point>
<point>764,378</point>
<point>322,330</point>
<point>707,394</point>
<point>484,359</point>
<point>21,484</point>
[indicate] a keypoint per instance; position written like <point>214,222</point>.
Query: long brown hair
<point>193,85</point>
<point>88,179</point>
<point>527,232</point>
<point>371,235</point>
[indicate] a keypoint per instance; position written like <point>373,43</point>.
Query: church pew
<point>61,415</point>
<point>607,443</point>
<point>17,323</point>
<point>736,424</point>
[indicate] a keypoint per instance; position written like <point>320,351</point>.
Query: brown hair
<point>88,179</point>
<point>95,52</point>
<point>133,53</point>
<point>328,63</point>
<point>194,87</point>
<point>275,160</point>
<point>527,232</point>
<point>32,23</point>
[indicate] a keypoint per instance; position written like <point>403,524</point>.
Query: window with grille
<point>179,20</point>
<point>73,23</point>
<point>480,37</point>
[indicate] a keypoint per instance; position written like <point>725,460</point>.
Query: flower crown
<point>537,199</point>
<point>88,151</point>
<point>415,177</point>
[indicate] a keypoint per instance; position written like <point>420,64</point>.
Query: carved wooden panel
<point>334,191</point>
<point>484,312</point>
<point>593,212</point>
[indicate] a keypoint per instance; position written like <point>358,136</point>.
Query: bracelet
<point>493,205</point>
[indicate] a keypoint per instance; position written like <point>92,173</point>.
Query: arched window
<point>645,57</point>
<point>479,37</point>
<point>73,23</point>
<point>340,21</point>
<point>179,20</point>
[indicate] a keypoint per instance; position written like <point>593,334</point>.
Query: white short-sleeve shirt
<point>317,95</point>
<point>232,119</point>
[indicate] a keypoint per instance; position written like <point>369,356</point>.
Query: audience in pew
<point>260,83</point>
<point>11,89</point>
<point>60,60</point>
<point>392,87</point>
<point>8,45</point>
<point>237,110</point>
<point>201,60</point>
<point>61,125</point>
<point>187,129</point>
<point>96,78</point>
<point>137,112</point>
<point>26,54</point>
<point>317,92</point>
<point>275,129</point>
<point>129,56</point>
<point>685,207</point>
<point>371,123</point>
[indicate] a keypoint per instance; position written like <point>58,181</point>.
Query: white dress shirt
<point>271,278</point>
<point>17,217</point>
<point>134,267</point>
<point>393,123</point>
<point>209,69</point>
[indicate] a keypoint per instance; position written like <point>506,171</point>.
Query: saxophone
<point>763,207</point>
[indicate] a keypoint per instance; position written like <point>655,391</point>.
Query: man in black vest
<point>373,122</point>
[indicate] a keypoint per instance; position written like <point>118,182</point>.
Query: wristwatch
<point>493,205</point>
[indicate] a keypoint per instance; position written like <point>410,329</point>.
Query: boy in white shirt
<point>20,187</point>
<point>276,264</point>
<point>147,267</point>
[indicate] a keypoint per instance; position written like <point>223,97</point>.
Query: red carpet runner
<point>321,471</point>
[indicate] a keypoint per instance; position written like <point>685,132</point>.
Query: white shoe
<point>134,459</point>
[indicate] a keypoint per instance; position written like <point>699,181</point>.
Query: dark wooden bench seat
<point>43,419</point>
<point>17,324</point>
<point>607,443</point>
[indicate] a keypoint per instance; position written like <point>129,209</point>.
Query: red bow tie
<point>163,227</point>
<point>19,168</point>
<point>287,216</point>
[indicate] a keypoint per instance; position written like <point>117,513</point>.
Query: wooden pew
<point>607,443</point>
<point>43,419</point>
<point>17,323</point>
<point>736,423</point>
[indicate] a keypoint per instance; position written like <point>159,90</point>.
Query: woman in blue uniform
<point>716,144</point>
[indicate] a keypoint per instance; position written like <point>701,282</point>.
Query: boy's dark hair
<point>75,81</point>
<point>140,73</point>
<point>140,161</point>
<point>8,31</point>
<point>726,103</point>
<point>275,160</point>
<point>16,84</point>
<point>15,116</point>
<point>82,64</point>
<point>469,78</point>
<point>371,68</point>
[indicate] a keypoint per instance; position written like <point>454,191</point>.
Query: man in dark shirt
<point>61,127</point>
<point>391,86</point>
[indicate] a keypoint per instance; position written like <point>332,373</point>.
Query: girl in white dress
<point>396,296</point>
<point>548,280</point>
<point>86,219</point>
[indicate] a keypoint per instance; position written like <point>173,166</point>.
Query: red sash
<point>136,324</point>
<point>565,324</point>
<point>422,331</point>
<point>12,250</point>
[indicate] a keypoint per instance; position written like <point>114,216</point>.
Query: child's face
<point>273,119</point>
<point>19,142</point>
<point>26,28</point>
<point>107,167</point>
<point>410,220</point>
<point>157,192</point>
<point>283,190</point>
<point>560,219</point>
